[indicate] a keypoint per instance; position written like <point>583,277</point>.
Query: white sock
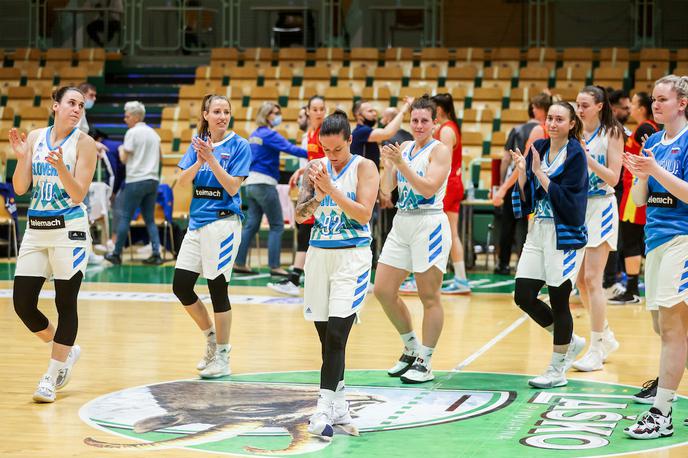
<point>558,360</point>
<point>54,367</point>
<point>327,395</point>
<point>596,339</point>
<point>550,328</point>
<point>410,342</point>
<point>459,270</point>
<point>224,349</point>
<point>425,353</point>
<point>339,394</point>
<point>663,400</point>
<point>210,333</point>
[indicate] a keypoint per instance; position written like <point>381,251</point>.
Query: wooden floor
<point>127,344</point>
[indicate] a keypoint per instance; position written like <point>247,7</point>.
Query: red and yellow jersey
<point>628,211</point>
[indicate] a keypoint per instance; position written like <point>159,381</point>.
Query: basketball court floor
<point>135,389</point>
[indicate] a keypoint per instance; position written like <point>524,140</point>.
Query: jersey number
<point>332,225</point>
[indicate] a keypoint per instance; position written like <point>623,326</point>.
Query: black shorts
<point>303,237</point>
<point>632,239</point>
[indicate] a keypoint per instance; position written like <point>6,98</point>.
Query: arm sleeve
<point>278,142</point>
<point>188,159</point>
<point>241,161</point>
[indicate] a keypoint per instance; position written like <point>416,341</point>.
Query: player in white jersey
<point>661,182</point>
<point>58,162</point>
<point>603,141</point>
<point>216,163</point>
<point>553,184</point>
<point>339,192</point>
<point>419,241</point>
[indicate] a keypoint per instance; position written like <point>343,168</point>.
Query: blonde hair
<point>263,113</point>
<point>678,84</point>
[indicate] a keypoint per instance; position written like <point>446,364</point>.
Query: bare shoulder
<point>85,140</point>
<point>440,149</point>
<point>366,167</point>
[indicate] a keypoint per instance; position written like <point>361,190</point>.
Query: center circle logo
<point>463,414</point>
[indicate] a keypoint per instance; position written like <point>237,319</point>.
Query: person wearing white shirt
<point>141,154</point>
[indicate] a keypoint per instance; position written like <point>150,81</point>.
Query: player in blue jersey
<point>216,164</point>
<point>661,182</point>
<point>58,162</point>
<point>339,192</point>
<point>603,140</point>
<point>553,184</point>
<point>419,242</point>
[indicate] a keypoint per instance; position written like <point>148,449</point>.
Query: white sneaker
<point>576,346</point>
<point>285,287</point>
<point>405,362</point>
<point>614,290</point>
<point>609,344</point>
<point>651,425</point>
<point>45,392</point>
<point>341,418</point>
<point>418,373</point>
<point>210,349</point>
<point>592,361</point>
<point>320,423</point>
<point>552,378</point>
<point>217,367</point>
<point>65,374</point>
<point>95,258</point>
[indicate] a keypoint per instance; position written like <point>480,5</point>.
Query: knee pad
<point>25,298</point>
<point>218,294</point>
<point>66,293</point>
<point>183,286</point>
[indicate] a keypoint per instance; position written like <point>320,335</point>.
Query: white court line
<point>250,277</point>
<point>519,321</point>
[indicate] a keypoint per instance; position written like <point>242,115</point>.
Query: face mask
<point>88,104</point>
<point>276,121</point>
<point>370,122</point>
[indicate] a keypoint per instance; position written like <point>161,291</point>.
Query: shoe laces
<point>46,384</point>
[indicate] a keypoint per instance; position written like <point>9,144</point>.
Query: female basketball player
<point>216,163</point>
<point>315,110</point>
<point>450,135</point>
<point>604,140</point>
<point>58,161</point>
<point>419,241</point>
<point>552,182</point>
<point>660,182</point>
<point>339,192</point>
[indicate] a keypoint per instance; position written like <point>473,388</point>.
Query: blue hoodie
<point>266,145</point>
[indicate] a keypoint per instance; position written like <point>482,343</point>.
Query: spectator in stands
<point>632,224</point>
<point>141,154</point>
<point>621,108</point>
<point>520,138</point>
<point>261,187</point>
<point>90,94</point>
<point>366,136</point>
<point>113,16</point>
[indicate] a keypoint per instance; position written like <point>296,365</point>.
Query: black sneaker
<point>624,299</point>
<point>154,260</point>
<point>502,270</point>
<point>113,258</point>
<point>648,393</point>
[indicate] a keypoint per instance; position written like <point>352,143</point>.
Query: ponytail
<point>203,131</point>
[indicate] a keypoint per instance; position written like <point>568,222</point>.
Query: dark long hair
<point>336,124</point>
<point>607,119</point>
<point>203,130</point>
<point>446,102</point>
<point>645,101</point>
<point>577,130</point>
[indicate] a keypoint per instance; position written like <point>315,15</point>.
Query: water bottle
<point>470,191</point>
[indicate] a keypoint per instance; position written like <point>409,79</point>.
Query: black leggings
<point>559,314</point>
<point>183,287</point>
<point>25,297</point>
<point>333,335</point>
